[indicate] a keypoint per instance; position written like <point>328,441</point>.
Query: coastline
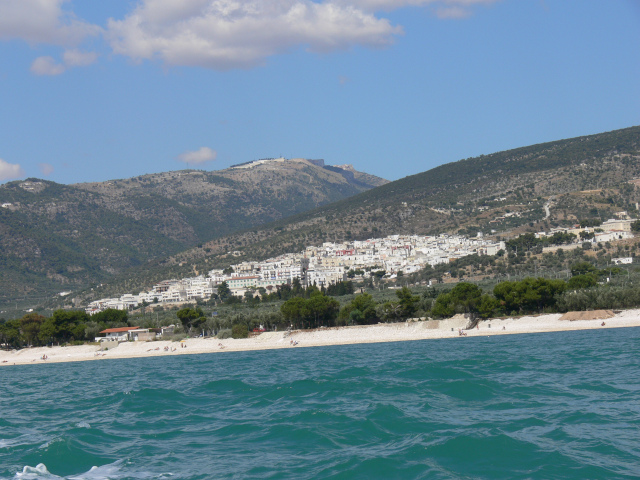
<point>380,333</point>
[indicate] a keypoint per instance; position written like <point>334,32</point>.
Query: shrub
<point>224,333</point>
<point>240,331</point>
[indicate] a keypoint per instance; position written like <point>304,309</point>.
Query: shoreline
<point>361,334</point>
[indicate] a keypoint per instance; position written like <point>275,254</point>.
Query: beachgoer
<point>602,324</point>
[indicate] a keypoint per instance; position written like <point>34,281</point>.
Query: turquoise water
<point>558,405</point>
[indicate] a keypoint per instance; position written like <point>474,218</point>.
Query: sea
<point>540,406</point>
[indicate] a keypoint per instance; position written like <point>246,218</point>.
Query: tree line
<point>314,307</point>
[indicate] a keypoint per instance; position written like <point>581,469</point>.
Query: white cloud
<point>46,169</point>
<point>9,171</point>
<point>71,58</point>
<point>225,34</point>
<point>46,66</point>
<point>387,5</point>
<point>198,157</point>
<point>453,12</point>
<point>217,34</point>
<point>42,21</point>
<point>77,58</point>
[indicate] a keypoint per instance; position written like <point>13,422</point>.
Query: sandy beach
<point>386,332</point>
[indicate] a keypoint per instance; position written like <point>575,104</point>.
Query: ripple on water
<point>532,407</point>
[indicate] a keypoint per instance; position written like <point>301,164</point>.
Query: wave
<point>111,471</point>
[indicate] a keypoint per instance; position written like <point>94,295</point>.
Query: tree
<point>364,305</point>
<point>529,294</point>
<point>30,326</point>
<point>463,298</point>
<point>64,326</point>
<point>111,318</point>
<point>191,318</point>
<point>10,334</point>
<point>488,306</point>
<point>408,302</point>
<point>466,297</point>
<point>320,307</point>
<point>294,309</point>
<point>389,311</point>
<point>224,291</point>
<point>586,280</point>
<point>340,288</point>
<point>582,268</point>
<point>296,287</point>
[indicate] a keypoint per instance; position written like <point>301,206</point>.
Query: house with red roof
<point>120,334</point>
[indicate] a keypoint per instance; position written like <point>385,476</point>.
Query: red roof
<point>119,329</point>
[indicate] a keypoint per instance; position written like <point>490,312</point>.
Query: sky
<point>99,90</point>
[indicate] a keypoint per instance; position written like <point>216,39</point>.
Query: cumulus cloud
<point>43,21</point>
<point>198,157</point>
<point>46,169</point>
<point>10,171</point>
<point>71,58</point>
<point>225,34</point>
<point>217,34</point>
<point>46,66</point>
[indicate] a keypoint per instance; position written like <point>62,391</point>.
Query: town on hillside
<point>332,263</point>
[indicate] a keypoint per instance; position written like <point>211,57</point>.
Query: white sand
<point>390,332</point>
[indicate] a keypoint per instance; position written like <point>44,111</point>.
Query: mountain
<point>57,237</point>
<point>503,194</point>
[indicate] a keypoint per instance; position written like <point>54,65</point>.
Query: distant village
<point>330,263</point>
<point>320,266</point>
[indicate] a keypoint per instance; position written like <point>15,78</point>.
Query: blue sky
<point>91,91</point>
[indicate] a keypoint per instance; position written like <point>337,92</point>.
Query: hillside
<point>501,194</point>
<point>57,237</point>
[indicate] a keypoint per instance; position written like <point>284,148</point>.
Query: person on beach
<point>602,324</point>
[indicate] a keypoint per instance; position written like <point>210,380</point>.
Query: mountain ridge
<point>504,193</point>
<point>55,236</point>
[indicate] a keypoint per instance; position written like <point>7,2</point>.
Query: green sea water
<point>544,406</point>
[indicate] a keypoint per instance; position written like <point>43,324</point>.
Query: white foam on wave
<point>110,471</point>
<point>83,425</point>
<point>47,444</point>
<point>38,472</point>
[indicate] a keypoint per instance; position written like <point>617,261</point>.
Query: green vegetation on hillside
<point>66,237</point>
<point>504,194</point>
